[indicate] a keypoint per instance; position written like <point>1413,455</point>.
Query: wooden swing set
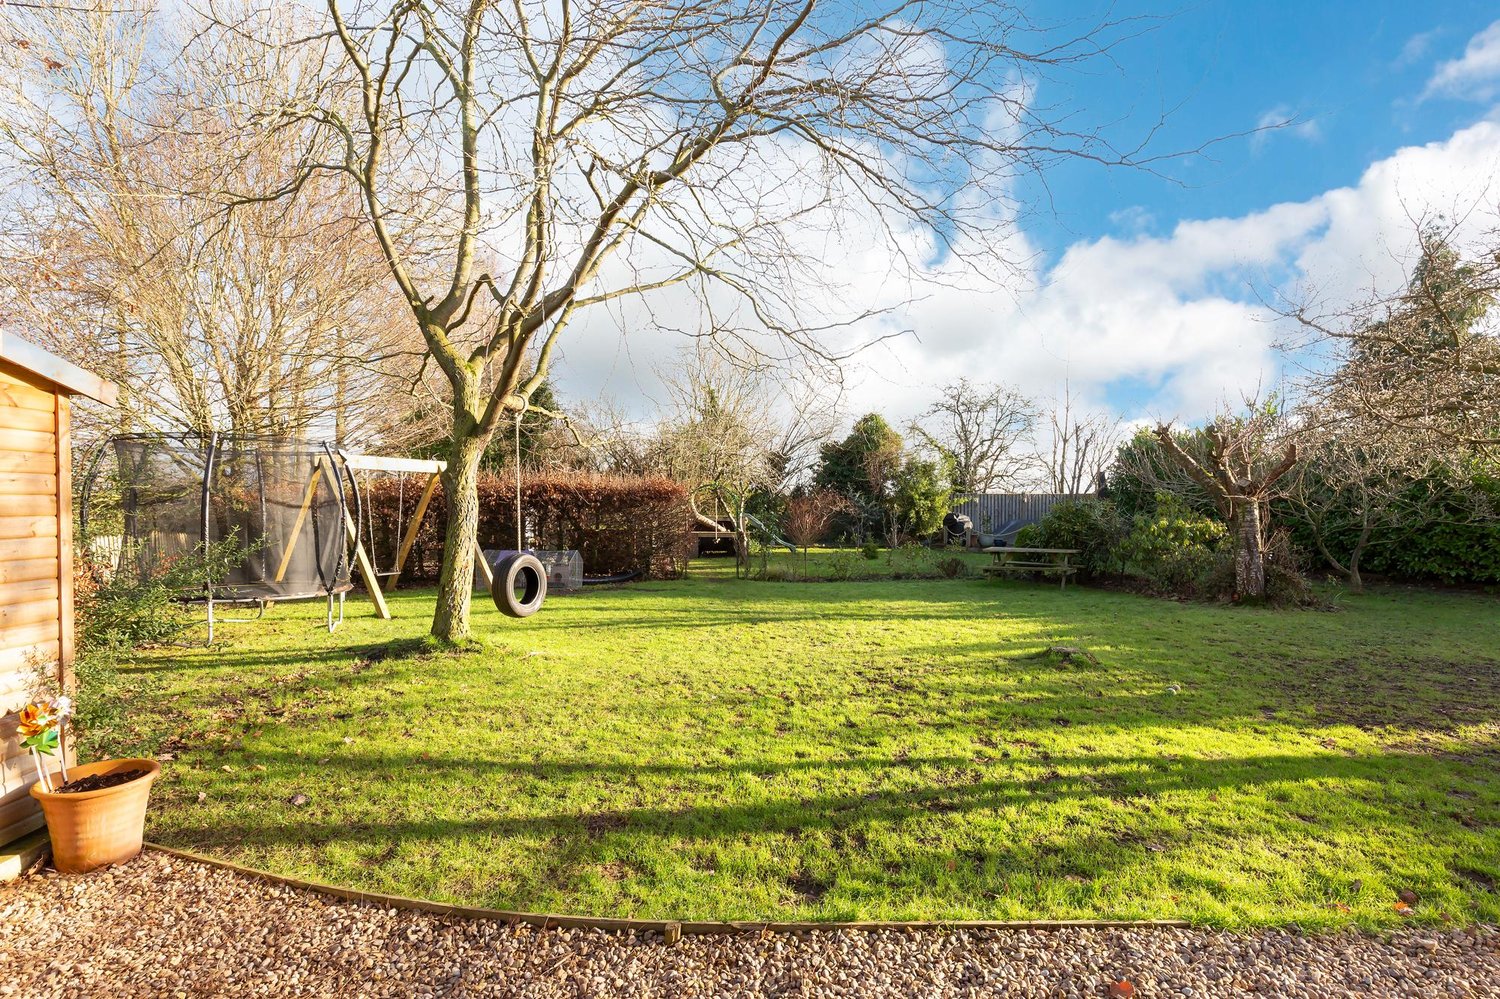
<point>369,572</point>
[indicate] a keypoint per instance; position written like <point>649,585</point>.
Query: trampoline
<point>289,511</point>
<point>281,506</point>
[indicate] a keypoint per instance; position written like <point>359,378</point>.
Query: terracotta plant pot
<point>92,829</point>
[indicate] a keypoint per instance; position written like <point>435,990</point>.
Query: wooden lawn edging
<point>671,929</point>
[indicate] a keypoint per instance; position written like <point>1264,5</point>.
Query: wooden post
<point>361,558</point>
<point>307,498</point>
<point>484,566</point>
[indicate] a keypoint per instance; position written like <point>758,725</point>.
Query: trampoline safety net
<point>279,504</point>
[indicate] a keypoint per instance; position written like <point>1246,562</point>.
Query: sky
<point>1145,291</point>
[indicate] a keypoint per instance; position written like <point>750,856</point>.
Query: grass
<point>714,748</point>
<point>849,564</point>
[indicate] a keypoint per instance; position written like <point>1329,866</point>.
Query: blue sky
<point>1351,74</point>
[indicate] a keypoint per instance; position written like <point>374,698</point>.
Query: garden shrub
<point>1175,548</point>
<point>1090,525</point>
<point>953,567</point>
<point>1286,580</point>
<point>617,523</point>
<point>870,550</point>
<point>841,565</point>
<point>116,613</point>
<point>1449,532</point>
<point>914,561</point>
<point>120,611</point>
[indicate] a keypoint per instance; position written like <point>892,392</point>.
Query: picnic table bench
<point>1048,561</point>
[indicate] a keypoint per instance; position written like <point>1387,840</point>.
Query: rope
<point>519,545</point>
<point>400,528</point>
<point>369,519</point>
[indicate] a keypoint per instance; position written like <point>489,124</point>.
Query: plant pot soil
<point>98,782</point>
<point>99,817</point>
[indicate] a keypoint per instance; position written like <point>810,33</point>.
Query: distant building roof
<point>70,378</point>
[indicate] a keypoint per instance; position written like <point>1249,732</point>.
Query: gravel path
<point>161,926</point>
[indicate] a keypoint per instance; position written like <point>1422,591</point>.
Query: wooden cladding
<point>36,571</point>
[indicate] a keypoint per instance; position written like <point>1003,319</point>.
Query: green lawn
<point>714,748</point>
<point>846,564</point>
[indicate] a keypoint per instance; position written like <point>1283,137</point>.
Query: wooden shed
<point>36,549</point>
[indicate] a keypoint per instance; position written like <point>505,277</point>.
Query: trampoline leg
<point>332,624</point>
<point>210,621</point>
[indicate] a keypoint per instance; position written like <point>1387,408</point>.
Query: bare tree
<point>805,415</point>
<point>605,438</point>
<point>809,517</point>
<point>1353,490</point>
<point>1080,445</point>
<point>718,439</point>
<point>1247,457</point>
<point>275,320</point>
<point>982,430</point>
<point>1423,361</point>
<point>1411,397</point>
<point>519,163</point>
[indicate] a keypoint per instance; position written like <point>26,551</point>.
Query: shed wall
<point>36,571</point>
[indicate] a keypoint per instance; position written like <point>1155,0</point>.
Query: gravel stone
<point>161,926</point>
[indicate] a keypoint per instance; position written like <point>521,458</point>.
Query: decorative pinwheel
<point>41,730</point>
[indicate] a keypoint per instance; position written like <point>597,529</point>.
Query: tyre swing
<point>519,581</point>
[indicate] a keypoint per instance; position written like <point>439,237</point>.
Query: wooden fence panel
<point>1004,514</point>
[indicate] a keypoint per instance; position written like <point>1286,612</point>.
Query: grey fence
<point>1001,515</point>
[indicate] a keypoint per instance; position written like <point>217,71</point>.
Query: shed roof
<point>69,378</point>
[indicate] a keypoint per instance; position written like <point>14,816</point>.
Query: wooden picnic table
<point>1048,561</point>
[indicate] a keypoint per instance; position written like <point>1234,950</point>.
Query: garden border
<point>671,929</point>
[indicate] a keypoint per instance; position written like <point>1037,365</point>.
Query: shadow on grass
<point>244,660</point>
<point>1129,781</point>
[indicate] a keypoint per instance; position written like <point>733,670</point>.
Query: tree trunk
<point>461,495</point>
<point>741,551</point>
<point>1249,555</point>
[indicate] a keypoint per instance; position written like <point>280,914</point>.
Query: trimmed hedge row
<point>617,523</point>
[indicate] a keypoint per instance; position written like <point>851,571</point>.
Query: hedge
<point>617,523</point>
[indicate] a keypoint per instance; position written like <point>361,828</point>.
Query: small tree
<point>809,517</point>
<point>717,440</point>
<point>1142,472</point>
<point>1246,458</point>
<point>1352,492</point>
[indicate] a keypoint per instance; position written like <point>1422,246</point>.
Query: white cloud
<point>1282,120</point>
<point>1133,219</point>
<point>1475,75</point>
<point>1175,320</point>
<point>1417,47</point>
